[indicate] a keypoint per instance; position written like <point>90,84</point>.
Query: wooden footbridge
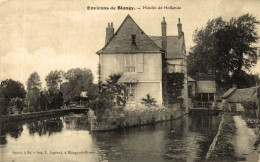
<point>32,115</point>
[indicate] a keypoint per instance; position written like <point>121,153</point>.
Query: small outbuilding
<point>202,90</point>
<point>205,90</point>
<point>202,93</point>
<point>232,99</point>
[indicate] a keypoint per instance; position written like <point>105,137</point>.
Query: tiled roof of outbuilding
<point>245,94</point>
<point>206,86</point>
<point>229,92</point>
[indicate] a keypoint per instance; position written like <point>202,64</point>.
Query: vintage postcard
<point>124,80</point>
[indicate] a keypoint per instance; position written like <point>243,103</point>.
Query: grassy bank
<point>223,148</point>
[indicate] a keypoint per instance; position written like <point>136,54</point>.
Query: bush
<point>249,105</point>
<point>25,110</point>
<point>112,94</point>
<point>100,105</point>
<point>250,108</point>
<point>149,101</point>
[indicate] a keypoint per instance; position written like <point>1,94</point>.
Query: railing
<point>205,105</point>
<point>129,69</point>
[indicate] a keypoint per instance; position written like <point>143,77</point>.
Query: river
<point>67,138</point>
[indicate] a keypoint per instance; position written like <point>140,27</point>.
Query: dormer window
<point>133,39</point>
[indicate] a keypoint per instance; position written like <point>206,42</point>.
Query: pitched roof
<point>245,94</point>
<point>121,42</point>
<point>228,93</point>
<point>174,45</point>
<point>206,86</point>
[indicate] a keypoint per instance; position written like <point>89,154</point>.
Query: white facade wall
<point>148,73</point>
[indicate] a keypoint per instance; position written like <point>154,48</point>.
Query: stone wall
<point>222,147</point>
<point>134,118</point>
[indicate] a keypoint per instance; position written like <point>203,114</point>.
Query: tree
<point>78,80</point>
<point>34,82</point>
<point>43,100</point>
<point>15,103</point>
<point>223,50</point>
<point>99,77</point>
<point>114,91</point>
<point>111,94</point>
<point>10,89</point>
<point>54,79</point>
<point>33,90</point>
<point>54,95</point>
<point>3,103</point>
<point>55,99</point>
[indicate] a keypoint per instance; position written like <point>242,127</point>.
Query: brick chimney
<point>179,29</point>
<point>164,34</point>
<point>164,62</point>
<point>109,32</point>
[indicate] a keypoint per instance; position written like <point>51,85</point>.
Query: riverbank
<point>234,140</point>
<point>24,116</point>
<point>184,139</point>
<point>134,118</point>
<point>222,147</point>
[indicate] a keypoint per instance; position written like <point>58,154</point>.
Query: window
<point>175,68</point>
<point>205,97</point>
<point>139,62</point>
<point>190,91</point>
<point>129,63</point>
<point>130,89</point>
<point>133,39</point>
<point>171,68</point>
<point>178,69</point>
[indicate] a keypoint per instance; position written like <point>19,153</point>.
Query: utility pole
<point>257,95</point>
<point>258,106</point>
<point>257,142</point>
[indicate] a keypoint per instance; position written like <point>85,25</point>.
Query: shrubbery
<point>250,108</point>
<point>149,101</point>
<point>249,105</point>
<point>12,94</point>
<point>111,100</point>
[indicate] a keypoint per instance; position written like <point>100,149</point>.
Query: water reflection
<point>12,129</point>
<point>76,122</point>
<point>182,139</point>
<point>43,127</point>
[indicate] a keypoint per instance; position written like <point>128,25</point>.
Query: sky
<point>45,35</point>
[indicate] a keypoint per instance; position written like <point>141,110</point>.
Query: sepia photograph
<point>128,80</point>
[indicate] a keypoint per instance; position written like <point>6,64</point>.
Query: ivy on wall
<point>175,84</point>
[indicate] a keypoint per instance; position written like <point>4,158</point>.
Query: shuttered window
<point>129,63</point>
<point>140,63</point>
